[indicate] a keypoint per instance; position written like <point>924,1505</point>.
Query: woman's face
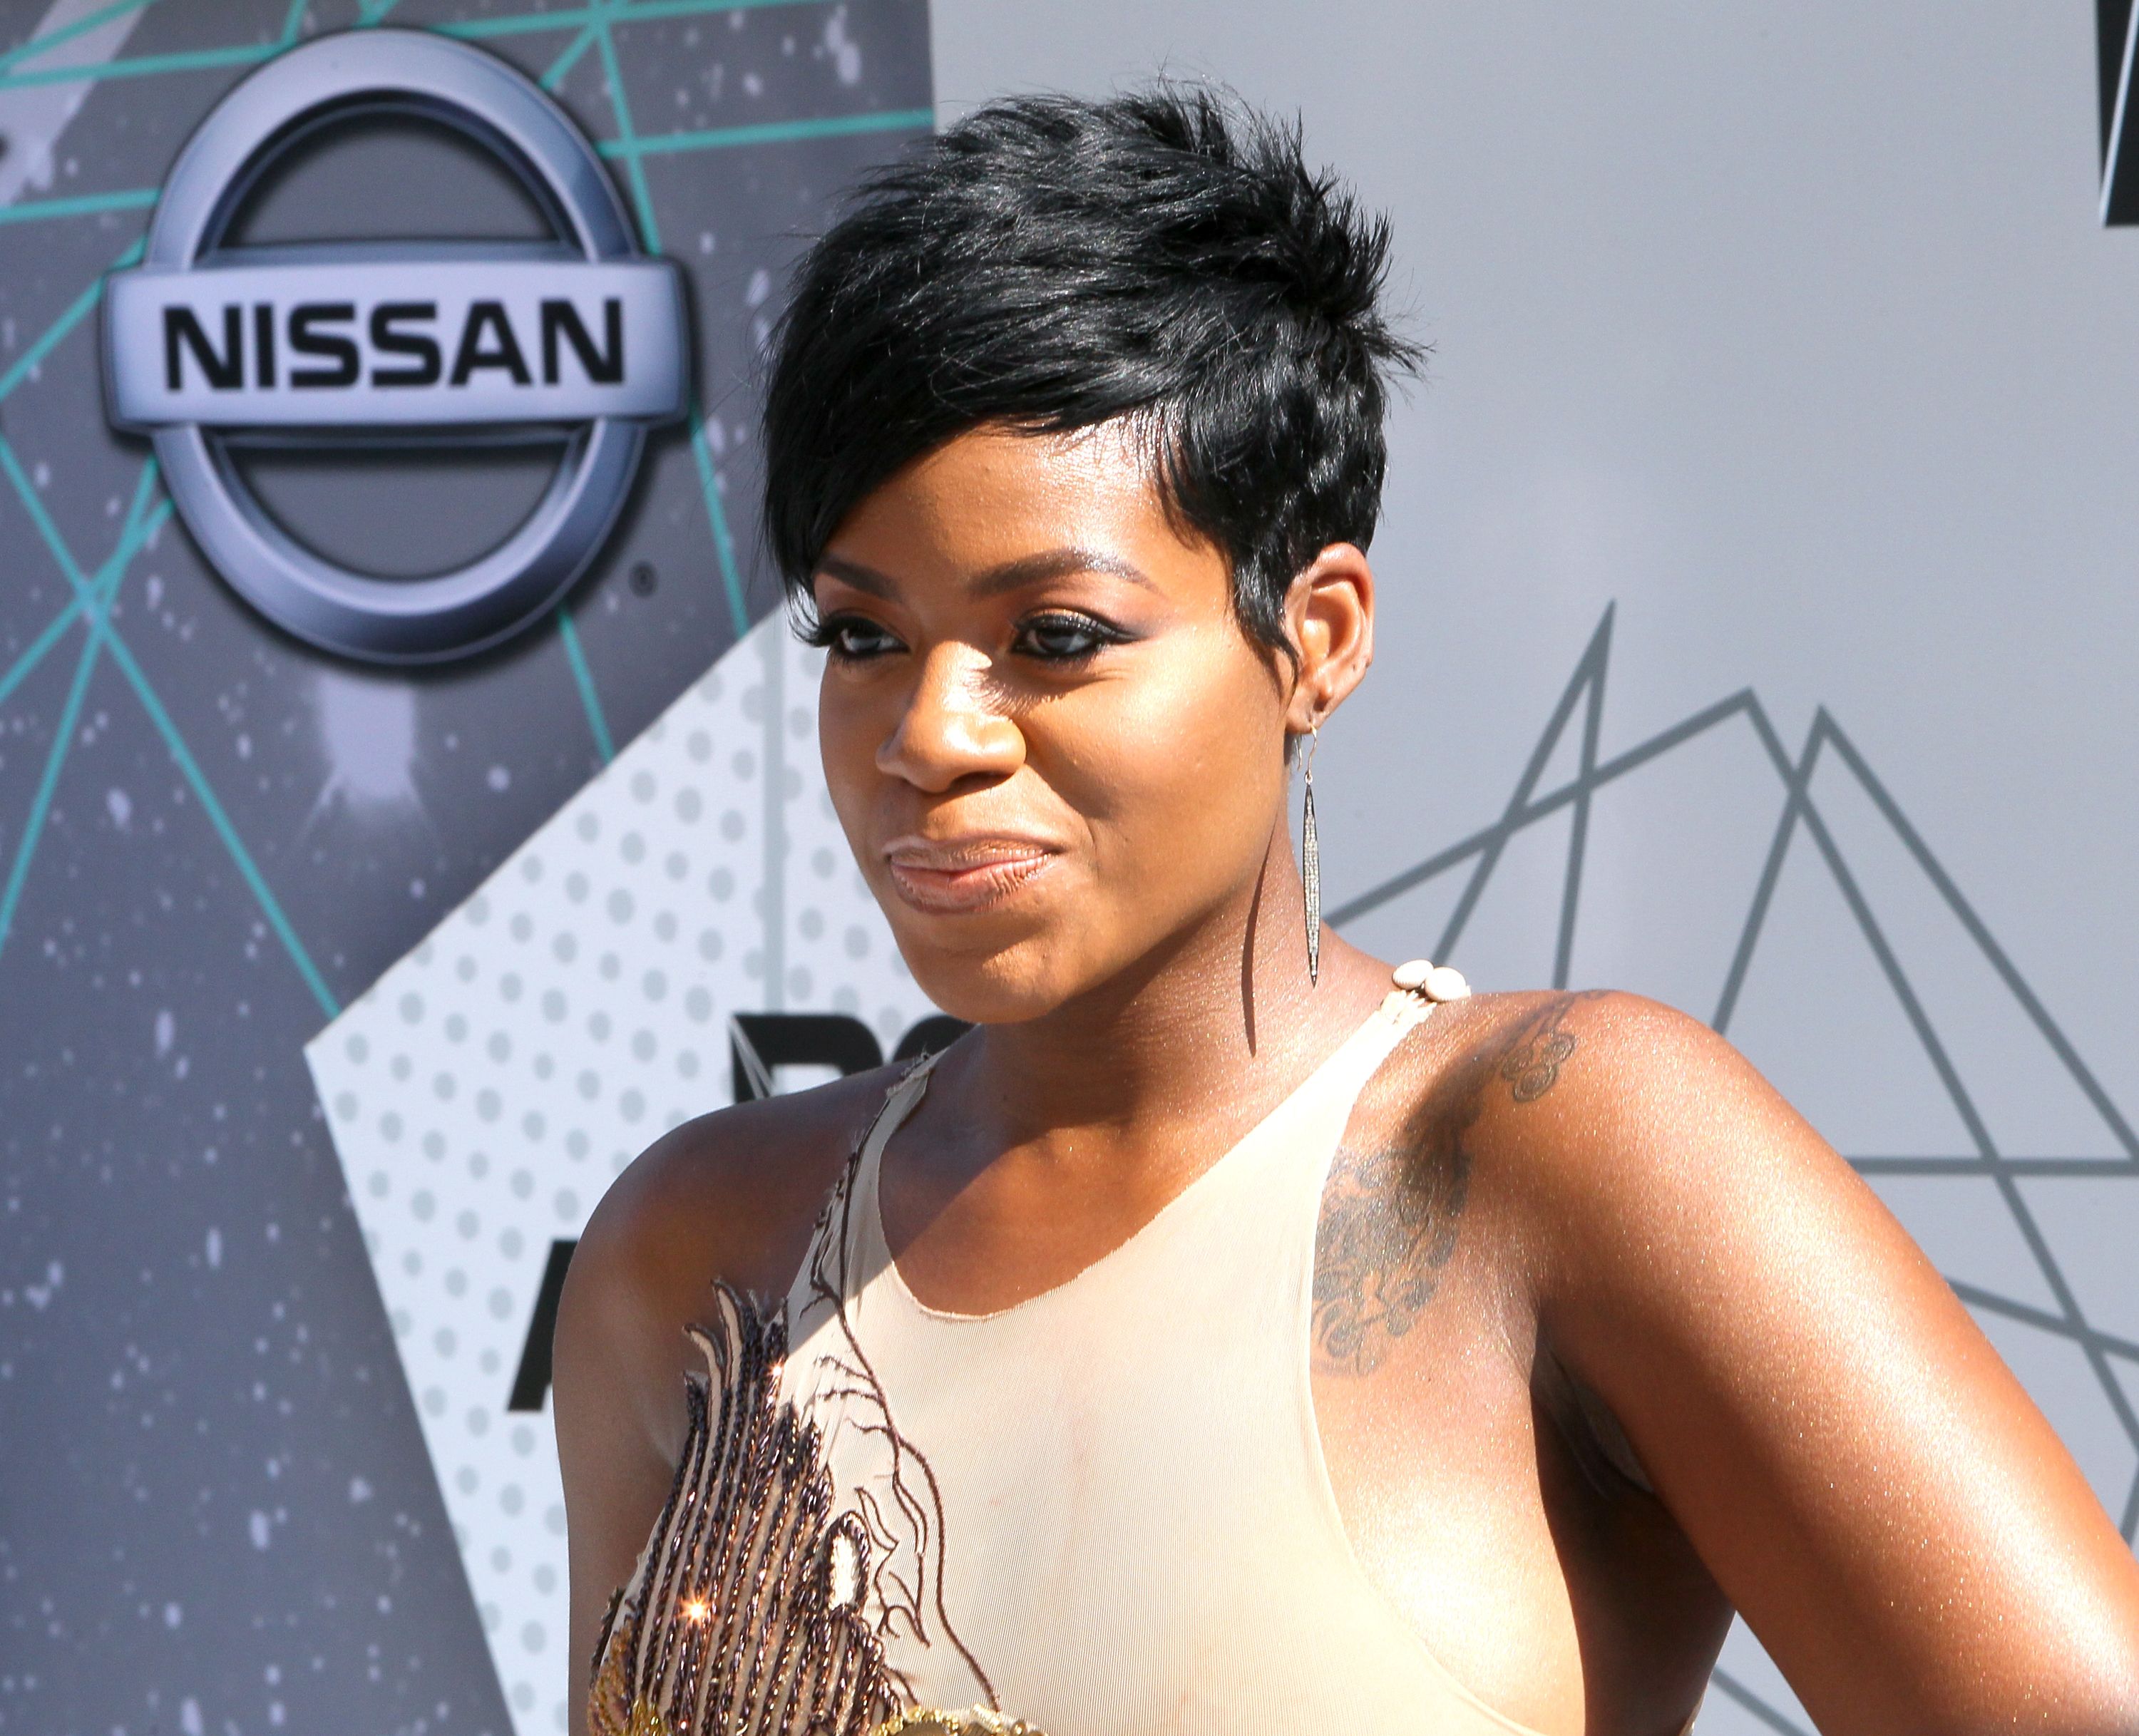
<point>1051,745</point>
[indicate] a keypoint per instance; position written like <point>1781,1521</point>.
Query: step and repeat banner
<point>401,821</point>
<point>409,803</point>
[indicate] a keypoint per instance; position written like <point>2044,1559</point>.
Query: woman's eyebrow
<point>1026,570</point>
<point>1055,563</point>
<point>854,573</point>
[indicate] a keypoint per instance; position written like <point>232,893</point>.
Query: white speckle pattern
<point>484,1091</point>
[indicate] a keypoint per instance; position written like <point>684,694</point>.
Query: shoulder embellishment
<point>746,1613</point>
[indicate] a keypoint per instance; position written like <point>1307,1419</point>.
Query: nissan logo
<point>327,345</point>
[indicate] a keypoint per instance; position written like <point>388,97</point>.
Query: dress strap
<point>829,1273</point>
<point>901,1098</point>
<point>1419,987</point>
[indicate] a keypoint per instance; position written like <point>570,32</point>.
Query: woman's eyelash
<point>830,633</point>
<point>838,634</point>
<point>1068,622</point>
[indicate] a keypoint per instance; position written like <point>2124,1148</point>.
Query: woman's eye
<point>853,637</point>
<point>1063,639</point>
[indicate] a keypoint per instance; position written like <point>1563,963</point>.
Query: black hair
<point>1050,263</point>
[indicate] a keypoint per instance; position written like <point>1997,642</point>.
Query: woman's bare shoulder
<point>733,1194</point>
<point>1599,1089</point>
<point>1864,1478</point>
<point>1602,1125</point>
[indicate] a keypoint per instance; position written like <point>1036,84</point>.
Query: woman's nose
<point>952,728</point>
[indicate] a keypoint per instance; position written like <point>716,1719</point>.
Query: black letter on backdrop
<point>305,341</point>
<point>224,372</point>
<point>263,343</point>
<point>760,1042</point>
<point>930,1036</point>
<point>390,342</point>
<point>488,316</point>
<point>532,1381</point>
<point>603,367</point>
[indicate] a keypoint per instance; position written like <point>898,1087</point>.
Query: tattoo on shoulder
<point>1388,1227</point>
<point>1391,1216</point>
<point>1539,1046</point>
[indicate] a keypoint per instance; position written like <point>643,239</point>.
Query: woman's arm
<point>1863,1476</point>
<point>617,1387</point>
<point>731,1195</point>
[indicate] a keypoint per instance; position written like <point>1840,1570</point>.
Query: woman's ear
<point>1329,613</point>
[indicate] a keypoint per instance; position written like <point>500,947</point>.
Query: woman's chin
<point>1003,978</point>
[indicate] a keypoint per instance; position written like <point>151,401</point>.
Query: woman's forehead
<point>994,508</point>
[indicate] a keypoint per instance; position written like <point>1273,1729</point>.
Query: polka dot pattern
<point>483,1093</point>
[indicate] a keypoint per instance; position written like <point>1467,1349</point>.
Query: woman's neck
<point>1209,1030</point>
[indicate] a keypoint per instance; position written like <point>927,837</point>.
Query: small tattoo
<point>1390,1216</point>
<point>1531,1066</point>
<point>1388,1225</point>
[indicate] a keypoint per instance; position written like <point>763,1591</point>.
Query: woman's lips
<point>967,875</point>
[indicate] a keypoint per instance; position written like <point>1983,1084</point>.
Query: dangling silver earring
<point>1310,862</point>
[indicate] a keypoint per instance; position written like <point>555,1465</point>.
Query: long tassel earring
<point>1310,864</point>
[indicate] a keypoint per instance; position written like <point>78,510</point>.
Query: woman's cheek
<point>1179,762</point>
<point>847,748</point>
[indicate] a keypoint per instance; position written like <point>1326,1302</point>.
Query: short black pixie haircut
<point>1050,263</point>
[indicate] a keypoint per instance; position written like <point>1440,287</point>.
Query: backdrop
<point>220,1509</point>
<point>1756,621</point>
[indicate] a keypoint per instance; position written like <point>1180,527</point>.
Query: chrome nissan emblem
<point>335,345</point>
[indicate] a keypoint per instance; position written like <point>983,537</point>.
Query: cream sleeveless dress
<point>1103,1512</point>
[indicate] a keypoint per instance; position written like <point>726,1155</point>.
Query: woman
<point>1232,1332</point>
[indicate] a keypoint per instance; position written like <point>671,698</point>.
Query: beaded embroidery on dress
<point>743,1614</point>
<point>760,1604</point>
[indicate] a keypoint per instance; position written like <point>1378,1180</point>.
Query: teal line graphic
<point>701,457</point>
<point>34,652</point>
<point>564,63</point>
<point>56,629</point>
<point>66,33</point>
<point>584,678</point>
<point>592,34</point>
<point>32,211</point>
<point>198,59</point>
<point>247,54</point>
<point>33,824</point>
<point>75,313</point>
<point>77,310</point>
<point>633,12</point>
<point>103,633</point>
<point>136,532</point>
<point>771,132</point>
<point>104,590</point>
<point>627,140</point>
